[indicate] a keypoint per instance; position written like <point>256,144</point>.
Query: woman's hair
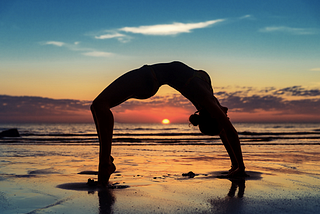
<point>207,124</point>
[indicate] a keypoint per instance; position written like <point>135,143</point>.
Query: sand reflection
<point>106,201</point>
<point>235,184</point>
<point>105,195</point>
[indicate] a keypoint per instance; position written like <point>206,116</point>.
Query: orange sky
<point>153,115</point>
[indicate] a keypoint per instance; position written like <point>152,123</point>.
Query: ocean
<point>159,134</point>
<point>39,171</point>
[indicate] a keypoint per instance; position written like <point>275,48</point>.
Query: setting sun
<point>165,121</point>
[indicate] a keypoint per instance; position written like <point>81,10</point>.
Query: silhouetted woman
<point>143,83</point>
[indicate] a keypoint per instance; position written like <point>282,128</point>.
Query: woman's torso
<point>174,74</point>
<point>193,84</point>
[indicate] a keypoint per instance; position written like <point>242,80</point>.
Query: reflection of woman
<point>143,83</point>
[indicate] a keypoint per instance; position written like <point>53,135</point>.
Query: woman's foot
<point>105,170</point>
<point>233,168</point>
<point>237,172</point>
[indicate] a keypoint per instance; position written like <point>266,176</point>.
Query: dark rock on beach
<point>10,133</point>
<point>189,174</point>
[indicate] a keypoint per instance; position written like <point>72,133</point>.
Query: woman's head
<point>206,123</point>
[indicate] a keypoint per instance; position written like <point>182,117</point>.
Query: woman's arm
<point>225,141</point>
<point>229,135</point>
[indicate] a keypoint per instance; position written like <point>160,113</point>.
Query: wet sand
<point>149,179</point>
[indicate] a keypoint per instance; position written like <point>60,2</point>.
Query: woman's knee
<point>101,110</point>
<point>91,107</point>
<point>98,104</point>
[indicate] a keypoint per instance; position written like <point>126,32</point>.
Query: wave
<point>137,142</point>
<point>246,133</point>
<point>155,134</point>
<point>280,133</point>
<point>72,139</point>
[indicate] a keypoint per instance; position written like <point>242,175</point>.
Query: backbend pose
<point>143,83</point>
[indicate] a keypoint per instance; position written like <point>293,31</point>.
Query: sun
<point>165,121</point>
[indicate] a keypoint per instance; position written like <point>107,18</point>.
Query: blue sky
<point>73,49</point>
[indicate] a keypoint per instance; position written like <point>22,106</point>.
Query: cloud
<point>98,54</point>
<point>169,29</point>
<point>245,100</point>
<point>246,17</point>
<point>155,30</point>
<point>110,36</point>
<point>315,69</point>
<point>55,43</point>
<point>298,91</point>
<point>272,103</point>
<point>252,103</point>
<point>75,47</point>
<point>115,35</point>
<point>40,109</point>
<point>289,30</point>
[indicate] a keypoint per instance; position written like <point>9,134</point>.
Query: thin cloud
<point>55,43</point>
<point>169,29</point>
<point>315,69</point>
<point>289,30</point>
<point>246,17</point>
<point>156,30</point>
<point>115,35</point>
<point>110,36</point>
<point>75,47</point>
<point>98,54</point>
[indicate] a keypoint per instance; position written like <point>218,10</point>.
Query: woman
<point>143,83</point>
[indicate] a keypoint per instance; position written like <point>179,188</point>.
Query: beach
<point>44,178</point>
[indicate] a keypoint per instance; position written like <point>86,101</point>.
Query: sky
<point>57,56</point>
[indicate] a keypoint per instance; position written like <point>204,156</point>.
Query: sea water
<point>160,134</point>
<point>282,160</point>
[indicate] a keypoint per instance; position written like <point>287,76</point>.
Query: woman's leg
<point>139,83</point>
<point>103,119</point>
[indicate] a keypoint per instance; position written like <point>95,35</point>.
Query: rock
<point>10,133</point>
<point>189,174</point>
<point>91,182</point>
